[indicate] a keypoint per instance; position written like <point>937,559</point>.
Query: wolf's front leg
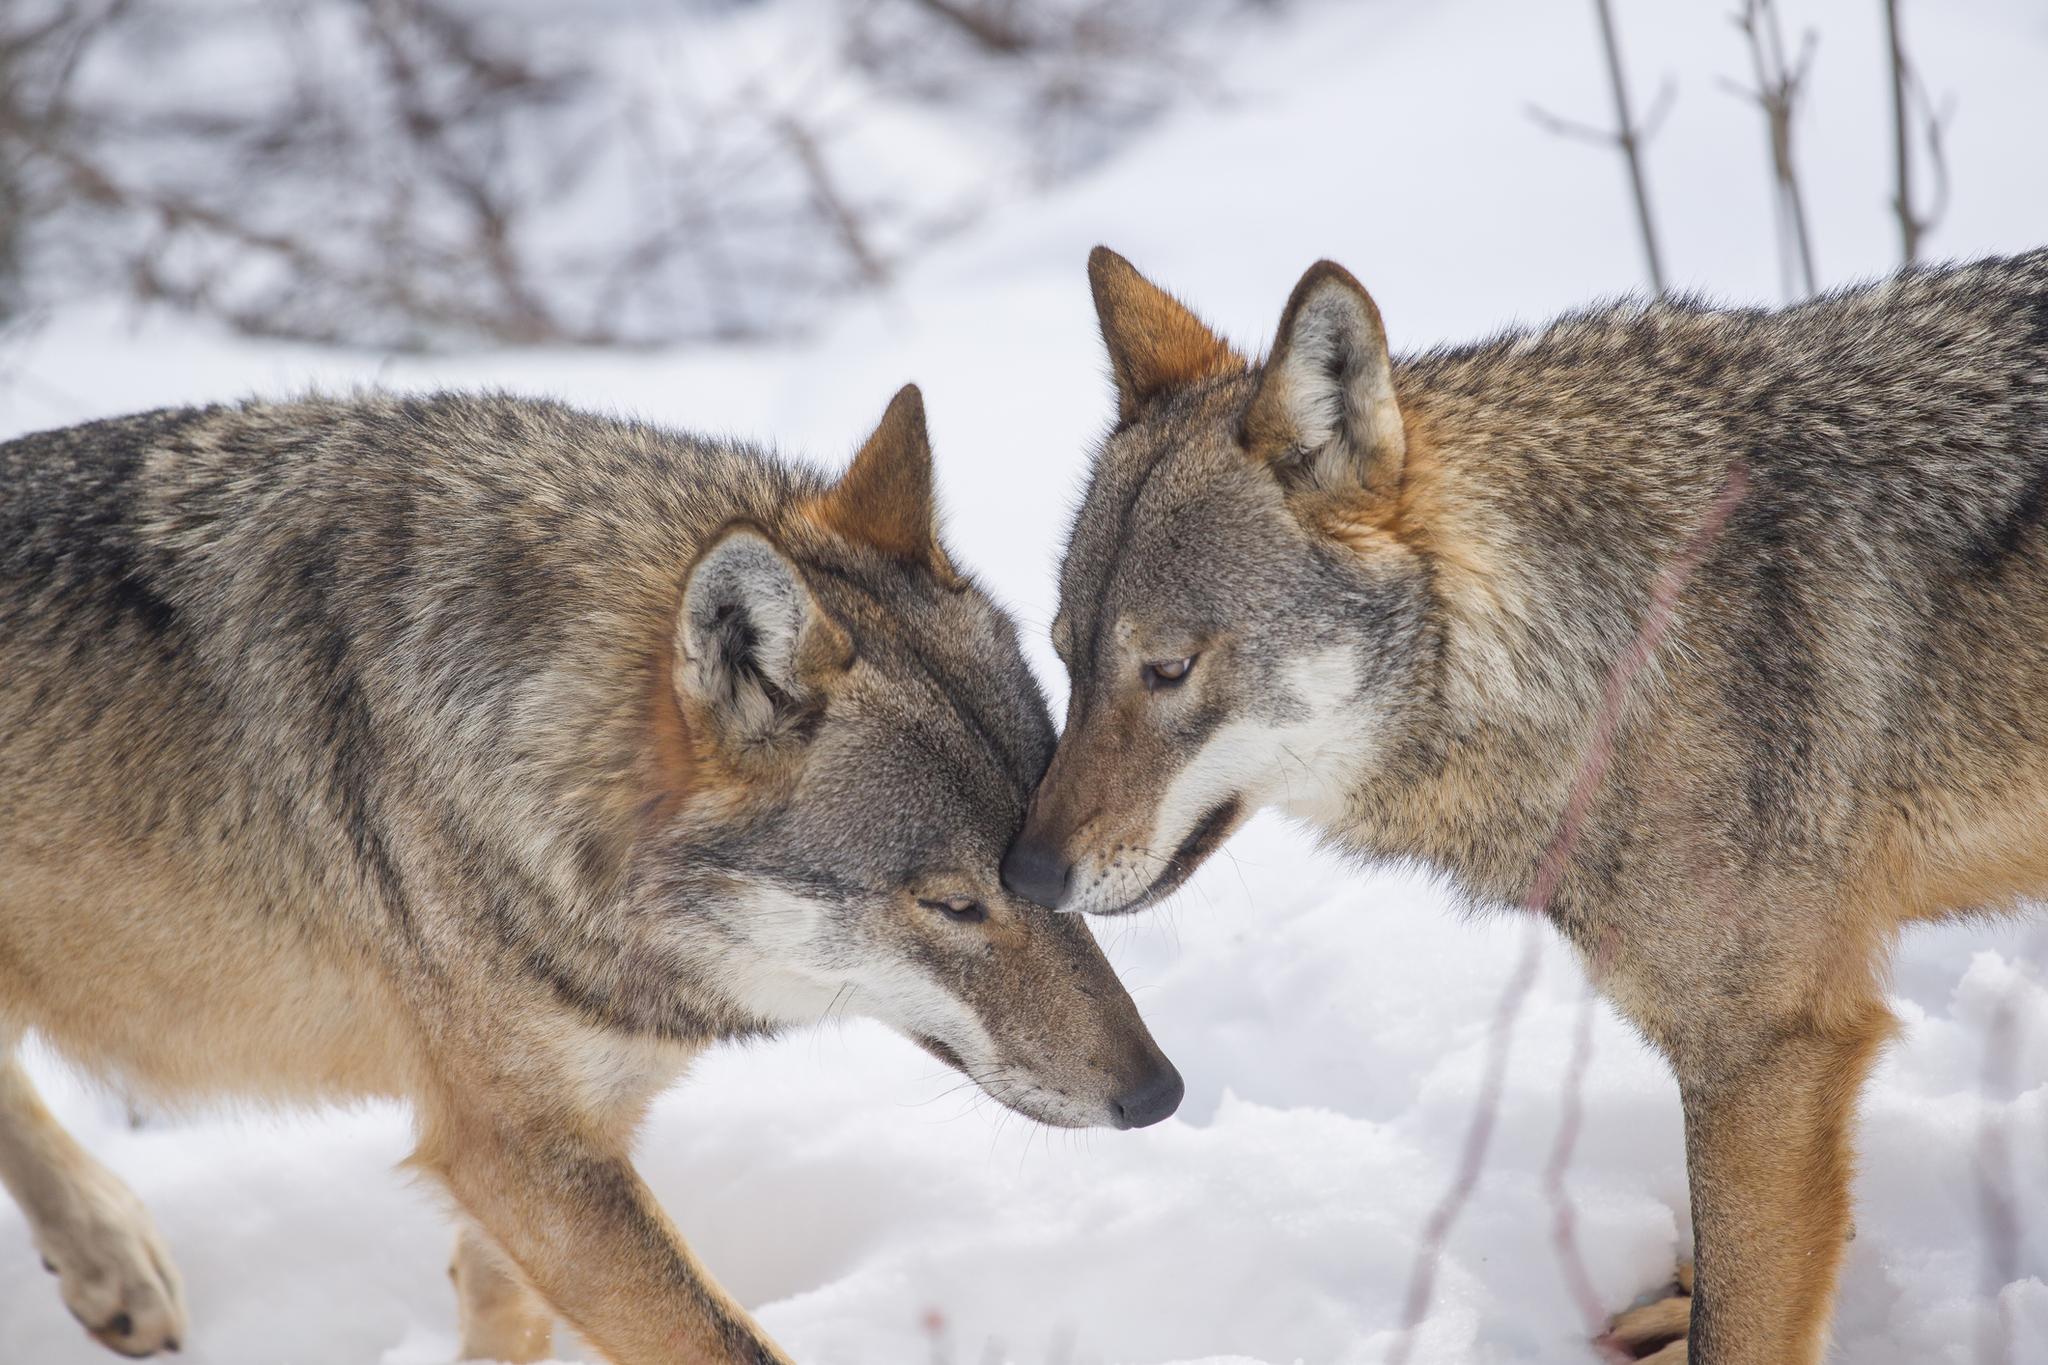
<point>93,1233</point>
<point>561,1200</point>
<point>1767,1142</point>
<point>502,1318</point>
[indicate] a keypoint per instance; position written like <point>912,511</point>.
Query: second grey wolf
<point>498,758</point>
<point>1386,597</point>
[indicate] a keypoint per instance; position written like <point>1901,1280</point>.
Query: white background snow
<point>1331,1021</point>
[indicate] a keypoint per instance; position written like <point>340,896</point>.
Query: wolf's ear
<point>1324,409</point>
<point>753,647</point>
<point>884,500</point>
<point>1155,344</point>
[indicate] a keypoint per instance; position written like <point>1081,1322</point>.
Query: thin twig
<point>1902,147</point>
<point>831,203</point>
<point>1997,1209</point>
<point>1907,90</point>
<point>994,32</point>
<point>1776,93</point>
<point>1564,1235</point>
<point>1627,136</point>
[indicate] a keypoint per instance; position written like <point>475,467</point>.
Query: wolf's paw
<point>502,1319</point>
<point>1654,1333</point>
<point>111,1267</point>
<point>513,1335</point>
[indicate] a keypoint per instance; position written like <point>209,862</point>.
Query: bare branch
<point>832,204</point>
<point>1627,136</point>
<point>1935,128</point>
<point>1660,108</point>
<point>1907,91</point>
<point>425,174</point>
<point>1902,147</point>
<point>995,32</point>
<point>1630,138</point>
<point>1606,137</point>
<point>1572,128</point>
<point>1776,93</point>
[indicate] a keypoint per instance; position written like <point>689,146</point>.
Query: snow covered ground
<point>1331,1021</point>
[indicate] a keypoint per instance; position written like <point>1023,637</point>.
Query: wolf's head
<point>1242,613</point>
<point>860,735</point>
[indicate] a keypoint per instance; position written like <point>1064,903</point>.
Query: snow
<point>1331,1021</point>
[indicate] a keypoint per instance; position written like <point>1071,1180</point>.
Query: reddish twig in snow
<point>1664,594</point>
<point>1997,1213</point>
<point>1422,1276</point>
<point>1564,1233</point>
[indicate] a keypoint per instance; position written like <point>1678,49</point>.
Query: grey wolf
<point>499,758</point>
<point>1384,595</point>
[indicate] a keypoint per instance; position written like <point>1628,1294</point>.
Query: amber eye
<point>1166,673</point>
<point>959,909</point>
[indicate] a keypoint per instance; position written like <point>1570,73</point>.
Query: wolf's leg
<point>93,1233</point>
<point>1768,1154</point>
<point>559,1198</point>
<point>502,1319</point>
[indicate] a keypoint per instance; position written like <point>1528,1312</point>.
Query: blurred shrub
<point>444,173</point>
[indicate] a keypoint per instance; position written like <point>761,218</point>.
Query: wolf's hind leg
<point>92,1231</point>
<point>502,1319</point>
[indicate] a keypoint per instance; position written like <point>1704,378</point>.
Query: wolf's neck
<point>1551,499</point>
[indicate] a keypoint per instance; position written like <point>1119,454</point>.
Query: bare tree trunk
<point>1626,136</point>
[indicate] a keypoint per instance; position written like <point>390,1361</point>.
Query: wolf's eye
<point>1166,673</point>
<point>959,909</point>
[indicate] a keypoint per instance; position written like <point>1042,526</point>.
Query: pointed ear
<point>1155,344</point>
<point>1324,409</point>
<point>753,648</point>
<point>884,500</point>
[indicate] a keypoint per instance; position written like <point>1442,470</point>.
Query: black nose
<point>1151,1099</point>
<point>1035,872</point>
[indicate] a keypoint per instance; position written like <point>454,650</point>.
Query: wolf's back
<point>248,638</point>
